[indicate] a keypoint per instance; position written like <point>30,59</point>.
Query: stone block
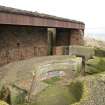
<point>71,66</point>
<point>100,52</point>
<point>87,52</point>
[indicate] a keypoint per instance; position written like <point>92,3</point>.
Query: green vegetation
<point>100,52</point>
<point>95,65</point>
<point>60,95</point>
<point>76,89</point>
<point>52,80</point>
<point>73,94</point>
<point>19,99</point>
<point>18,95</point>
<point>54,95</point>
<point>63,91</point>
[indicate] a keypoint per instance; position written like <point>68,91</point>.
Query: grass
<point>100,52</point>
<point>52,80</point>
<point>96,65</point>
<point>76,90</point>
<point>60,95</point>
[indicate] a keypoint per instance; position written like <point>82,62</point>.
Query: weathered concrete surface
<point>93,92</point>
<point>82,51</point>
<point>18,75</point>
<point>71,66</point>
<point>92,87</point>
<point>87,52</point>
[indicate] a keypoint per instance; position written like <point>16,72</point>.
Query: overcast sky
<point>89,11</point>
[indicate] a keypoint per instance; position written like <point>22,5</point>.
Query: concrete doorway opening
<point>62,37</point>
<point>51,40</point>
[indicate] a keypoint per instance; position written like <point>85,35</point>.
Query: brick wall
<point>21,42</point>
<point>76,37</point>
<point>67,37</point>
<point>61,50</point>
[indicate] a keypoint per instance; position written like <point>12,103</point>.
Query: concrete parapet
<point>87,52</point>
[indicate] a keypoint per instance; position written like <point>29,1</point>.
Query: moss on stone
<point>100,52</point>
<point>85,94</point>
<point>52,80</point>
<point>60,95</point>
<point>95,65</point>
<point>76,89</point>
<point>87,90</point>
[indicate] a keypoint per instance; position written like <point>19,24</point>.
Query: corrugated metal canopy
<point>22,17</point>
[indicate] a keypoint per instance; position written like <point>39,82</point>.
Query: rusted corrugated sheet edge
<point>35,14</point>
<point>21,17</point>
<point>17,19</point>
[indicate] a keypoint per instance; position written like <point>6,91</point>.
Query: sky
<point>91,12</point>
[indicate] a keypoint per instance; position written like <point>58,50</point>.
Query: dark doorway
<point>62,37</point>
<point>51,40</point>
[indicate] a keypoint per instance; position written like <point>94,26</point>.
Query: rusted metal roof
<point>11,16</point>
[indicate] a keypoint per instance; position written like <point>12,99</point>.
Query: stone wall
<point>21,42</point>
